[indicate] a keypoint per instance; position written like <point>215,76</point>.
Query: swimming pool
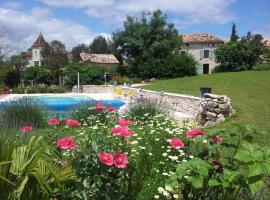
<point>63,104</point>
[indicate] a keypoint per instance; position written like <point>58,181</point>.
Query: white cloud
<point>114,11</point>
<point>23,28</point>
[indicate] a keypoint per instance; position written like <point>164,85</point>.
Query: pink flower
<point>120,160</point>
<point>106,158</point>
<point>72,122</point>
<point>53,121</point>
<point>177,143</point>
<point>26,129</point>
<point>66,143</point>
<point>111,109</point>
<point>100,107</point>
<point>216,139</point>
<point>123,131</point>
<point>194,133</point>
<point>124,122</point>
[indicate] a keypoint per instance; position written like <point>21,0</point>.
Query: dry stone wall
<point>214,109</point>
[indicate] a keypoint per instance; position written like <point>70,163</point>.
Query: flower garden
<point>97,154</point>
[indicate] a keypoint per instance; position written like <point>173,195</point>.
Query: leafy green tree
<point>5,67</point>
<point>100,45</point>
<point>18,62</point>
<point>55,57</point>
<point>12,78</point>
<point>241,55</point>
<point>146,44</point>
<point>88,74</point>
<point>40,75</point>
<point>77,50</point>
<point>234,36</point>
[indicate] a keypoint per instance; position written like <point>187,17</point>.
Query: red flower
<point>26,129</point>
<point>106,158</point>
<point>72,122</point>
<point>124,122</point>
<point>216,139</point>
<point>111,109</point>
<point>66,143</point>
<point>194,133</point>
<point>123,131</point>
<point>177,143</point>
<point>120,160</point>
<point>53,121</point>
<point>100,107</point>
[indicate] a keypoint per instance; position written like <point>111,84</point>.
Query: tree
<point>241,55</point>
<point>99,45</point>
<point>18,62</point>
<point>77,50</point>
<point>12,78</point>
<point>88,75</point>
<point>146,44</point>
<point>55,57</point>
<point>234,36</point>
<point>40,75</point>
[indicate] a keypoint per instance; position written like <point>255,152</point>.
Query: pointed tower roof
<point>40,42</point>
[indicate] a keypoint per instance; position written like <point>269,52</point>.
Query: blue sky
<point>79,21</point>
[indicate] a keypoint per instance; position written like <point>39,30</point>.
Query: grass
<point>249,92</point>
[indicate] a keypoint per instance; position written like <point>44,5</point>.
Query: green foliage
<point>241,55</point>
<point>54,55</point>
<point>38,89</point>
<point>234,36</point>
<point>148,44</point>
<point>12,78</point>
<point>5,67</point>
<point>100,45</point>
<point>88,74</point>
<point>77,50</point>
<point>228,169</point>
<point>29,169</point>
<point>22,112</point>
<point>39,74</point>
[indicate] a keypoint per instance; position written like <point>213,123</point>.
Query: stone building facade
<point>201,46</point>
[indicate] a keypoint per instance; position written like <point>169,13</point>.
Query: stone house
<point>103,60</point>
<point>201,46</point>
<point>33,55</point>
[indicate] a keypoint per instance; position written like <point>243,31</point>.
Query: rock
<point>211,96</point>
<point>209,124</point>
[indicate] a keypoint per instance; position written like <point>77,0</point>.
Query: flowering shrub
<point>53,121</point>
<point>156,157</point>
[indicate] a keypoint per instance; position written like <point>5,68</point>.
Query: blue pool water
<point>64,104</point>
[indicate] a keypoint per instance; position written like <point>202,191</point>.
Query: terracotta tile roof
<point>99,58</point>
<point>40,42</point>
<point>200,38</point>
<point>27,53</point>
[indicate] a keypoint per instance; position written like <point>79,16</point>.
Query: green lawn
<point>249,93</point>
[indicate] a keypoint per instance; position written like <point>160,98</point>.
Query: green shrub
<point>39,74</point>
<point>22,112</point>
<point>38,89</point>
<point>89,75</point>
<point>261,67</point>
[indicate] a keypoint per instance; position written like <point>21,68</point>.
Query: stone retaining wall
<point>208,111</point>
<point>214,109</point>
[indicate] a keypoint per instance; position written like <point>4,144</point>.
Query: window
<point>36,63</point>
<point>213,44</point>
<point>206,54</point>
<point>187,45</point>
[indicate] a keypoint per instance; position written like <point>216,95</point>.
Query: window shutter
<point>211,55</point>
<point>201,54</point>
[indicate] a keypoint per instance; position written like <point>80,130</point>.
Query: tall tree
<point>242,54</point>
<point>234,36</point>
<point>77,50</point>
<point>147,43</point>
<point>55,56</point>
<point>99,45</point>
